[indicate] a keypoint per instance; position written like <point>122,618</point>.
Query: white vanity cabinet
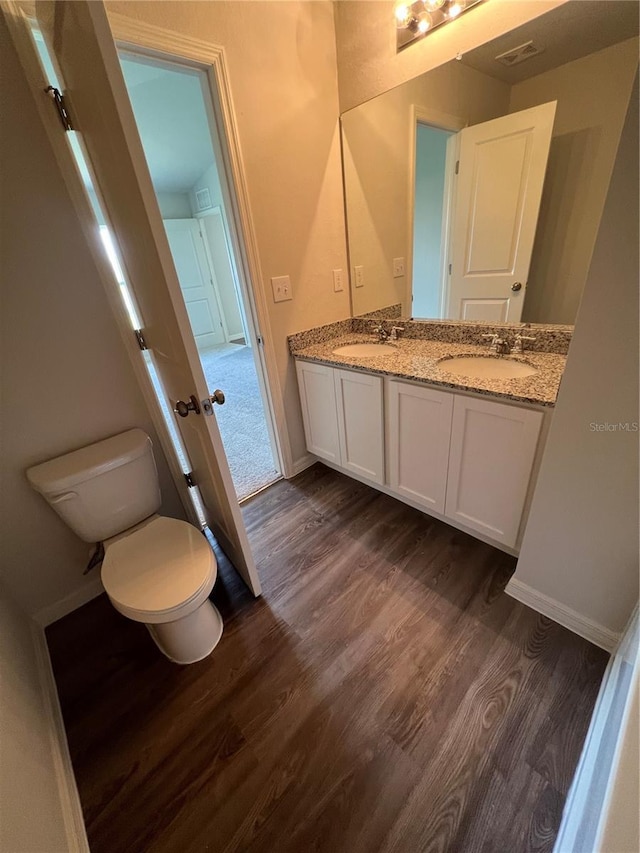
<point>316,384</point>
<point>491,456</point>
<point>465,459</point>
<point>360,423</point>
<point>343,416</point>
<point>418,436</point>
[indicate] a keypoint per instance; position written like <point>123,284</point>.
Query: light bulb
<point>454,10</point>
<point>424,22</point>
<point>403,14</point>
<point>434,5</point>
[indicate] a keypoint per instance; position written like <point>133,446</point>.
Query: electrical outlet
<point>338,283</point>
<point>398,267</point>
<point>281,286</point>
<point>358,274</point>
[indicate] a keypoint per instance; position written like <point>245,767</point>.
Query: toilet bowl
<point>161,573</point>
<point>156,570</point>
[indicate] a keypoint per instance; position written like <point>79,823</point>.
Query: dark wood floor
<point>383,695</point>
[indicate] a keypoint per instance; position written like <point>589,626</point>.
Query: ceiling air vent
<point>518,54</point>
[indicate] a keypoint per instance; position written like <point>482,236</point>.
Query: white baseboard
<point>302,464</point>
<point>576,622</point>
<point>66,782</point>
<point>71,602</point>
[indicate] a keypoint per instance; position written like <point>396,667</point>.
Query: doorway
<point>430,219</point>
<point>169,102</point>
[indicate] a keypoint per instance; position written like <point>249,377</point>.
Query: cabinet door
<point>360,423</point>
<point>492,451</point>
<point>418,442</point>
<point>318,398</point>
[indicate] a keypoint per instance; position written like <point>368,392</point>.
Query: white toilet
<point>156,570</point>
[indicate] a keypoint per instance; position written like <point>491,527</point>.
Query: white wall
<point>66,380</point>
<point>431,151</point>
<point>580,548</point>
<point>368,63</point>
<point>32,818</point>
<point>174,205</point>
<point>282,67</point>
<point>592,94</point>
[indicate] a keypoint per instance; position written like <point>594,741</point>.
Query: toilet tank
<point>102,489</point>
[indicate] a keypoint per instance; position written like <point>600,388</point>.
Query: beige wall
<point>592,94</point>
<point>378,170</point>
<point>31,810</point>
<point>581,543</point>
<point>282,66</point>
<point>366,40</point>
<point>66,380</point>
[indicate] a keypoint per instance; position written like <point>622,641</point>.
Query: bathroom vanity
<point>464,449</point>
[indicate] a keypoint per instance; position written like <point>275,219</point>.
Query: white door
<point>213,227</point>
<point>196,281</point>
<point>497,199</point>
<point>319,415</point>
<point>493,446</point>
<point>418,442</point>
<point>360,423</point>
<point>80,41</point>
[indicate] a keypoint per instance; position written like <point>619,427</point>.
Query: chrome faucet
<point>518,346</point>
<point>499,345</point>
<point>394,332</point>
<point>381,332</point>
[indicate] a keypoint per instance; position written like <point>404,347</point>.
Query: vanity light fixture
<point>415,20</point>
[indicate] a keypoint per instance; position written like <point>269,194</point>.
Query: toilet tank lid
<point>65,472</point>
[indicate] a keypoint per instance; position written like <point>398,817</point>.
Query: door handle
<point>516,286</point>
<point>183,408</point>
<point>217,397</point>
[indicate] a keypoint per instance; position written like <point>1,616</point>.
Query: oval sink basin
<point>365,350</point>
<point>486,367</point>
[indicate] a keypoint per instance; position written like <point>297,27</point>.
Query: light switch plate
<point>338,281</point>
<point>358,275</point>
<point>281,286</point>
<point>398,267</point>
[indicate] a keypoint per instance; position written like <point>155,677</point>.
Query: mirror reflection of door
<point>475,216</point>
<point>498,190</point>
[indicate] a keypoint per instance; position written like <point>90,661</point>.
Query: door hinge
<point>449,269</point>
<point>188,478</point>
<point>140,338</point>
<point>457,166</point>
<point>58,99</point>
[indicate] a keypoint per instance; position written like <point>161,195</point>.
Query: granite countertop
<point>417,360</point>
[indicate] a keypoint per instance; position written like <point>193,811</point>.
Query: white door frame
<point>150,40</point>
<point>441,121</point>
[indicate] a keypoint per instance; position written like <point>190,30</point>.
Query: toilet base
<point>191,638</point>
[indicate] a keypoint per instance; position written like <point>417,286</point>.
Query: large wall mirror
<point>475,191</point>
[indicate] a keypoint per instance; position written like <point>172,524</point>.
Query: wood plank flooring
<point>383,695</point>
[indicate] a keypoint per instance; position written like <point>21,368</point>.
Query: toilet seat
<point>160,572</point>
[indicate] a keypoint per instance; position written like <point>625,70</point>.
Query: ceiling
<point>568,32</point>
<point>170,113</point>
